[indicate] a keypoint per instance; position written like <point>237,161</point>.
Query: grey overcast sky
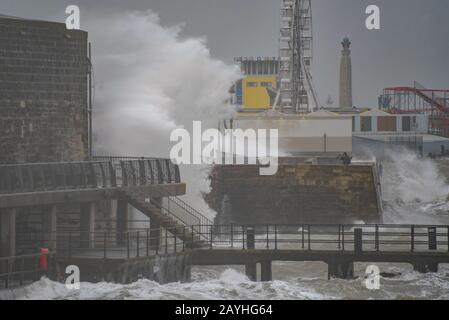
<point>413,43</point>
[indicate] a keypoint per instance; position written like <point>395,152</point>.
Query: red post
<point>43,259</point>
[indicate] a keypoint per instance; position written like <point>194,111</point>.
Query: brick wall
<point>43,92</point>
<point>298,193</point>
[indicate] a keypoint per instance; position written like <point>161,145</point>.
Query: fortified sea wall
<point>299,193</point>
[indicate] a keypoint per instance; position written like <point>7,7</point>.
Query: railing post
<point>124,174</point>
<point>92,177</point>
<point>232,236</point>
<point>358,240</point>
<point>177,174</point>
<point>127,245</point>
<point>268,237</point>
<point>377,238</point>
<point>138,244</point>
<point>343,237</point>
<point>433,238</point>
<point>113,175</point>
<point>250,238</point>
<point>193,236</point>
<point>150,169</point>
<point>166,241</point>
<point>308,238</point>
<point>148,242</point>
<point>211,234</point>
<point>447,239</point>
<point>339,236</point>
<point>104,245</point>
<point>275,237</point>
<point>303,237</point>
<point>183,238</point>
<point>243,238</point>
<point>142,173</point>
<point>412,238</point>
<point>169,173</point>
<point>159,234</point>
<point>176,238</point>
<point>160,172</point>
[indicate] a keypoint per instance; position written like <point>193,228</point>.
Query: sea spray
<point>417,179</point>
<point>414,189</point>
<point>150,81</point>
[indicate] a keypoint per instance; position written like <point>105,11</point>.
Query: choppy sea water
<point>414,192</point>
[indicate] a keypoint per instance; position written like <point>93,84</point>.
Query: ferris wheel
<point>296,90</point>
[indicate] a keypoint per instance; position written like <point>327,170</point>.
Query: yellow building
<point>256,91</point>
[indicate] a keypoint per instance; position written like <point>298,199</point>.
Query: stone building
<point>43,115</point>
<point>43,91</point>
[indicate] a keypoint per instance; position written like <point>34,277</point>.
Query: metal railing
<point>183,213</point>
<point>18,271</point>
<point>108,173</point>
<point>149,172</point>
<point>135,172</point>
<point>367,238</point>
<point>115,160</point>
<point>31,177</point>
<point>143,242</point>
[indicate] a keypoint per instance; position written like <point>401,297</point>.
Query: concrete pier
<point>251,270</point>
<point>341,270</point>
<point>175,267</point>
<point>340,263</point>
<point>266,273</point>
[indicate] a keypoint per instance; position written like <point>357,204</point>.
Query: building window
<point>266,84</point>
<point>406,124</point>
<point>365,124</point>
<point>252,84</point>
<point>386,124</point>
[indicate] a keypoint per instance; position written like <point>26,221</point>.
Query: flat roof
<point>7,17</point>
<point>10,17</point>
<point>384,136</point>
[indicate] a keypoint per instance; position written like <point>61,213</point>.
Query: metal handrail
<point>52,176</point>
<point>372,238</point>
<point>148,172</point>
<point>191,216</point>
<point>19,178</point>
<point>107,244</point>
<point>17,270</point>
